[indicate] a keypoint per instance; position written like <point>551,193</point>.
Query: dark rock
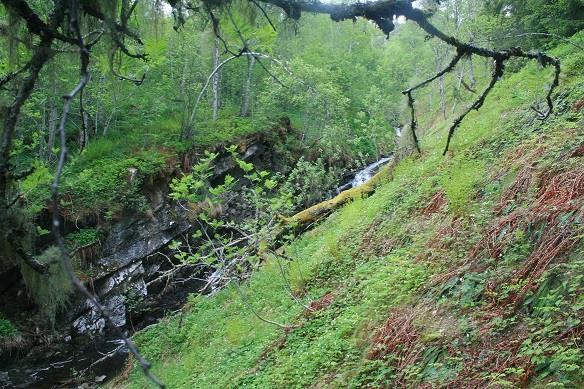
<point>134,239</point>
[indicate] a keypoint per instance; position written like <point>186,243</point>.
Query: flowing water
<point>362,176</point>
<point>81,360</point>
<point>94,362</point>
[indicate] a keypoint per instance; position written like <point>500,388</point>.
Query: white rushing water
<point>364,175</point>
<point>369,171</point>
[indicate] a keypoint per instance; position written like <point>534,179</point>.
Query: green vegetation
<point>109,185</point>
<point>205,141</point>
<point>402,286</point>
<point>460,183</point>
<point>7,329</point>
<point>50,290</point>
<point>84,237</point>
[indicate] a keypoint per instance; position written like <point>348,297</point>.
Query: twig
<point>548,98</point>
<point>10,76</point>
<point>522,35</point>
<point>459,54</point>
<point>252,309</point>
<point>286,283</point>
<point>136,81</point>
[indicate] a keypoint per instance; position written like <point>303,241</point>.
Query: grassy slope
<point>403,288</point>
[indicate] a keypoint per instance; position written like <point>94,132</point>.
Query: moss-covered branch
<point>323,208</point>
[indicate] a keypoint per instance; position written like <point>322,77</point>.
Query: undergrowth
<point>106,178</point>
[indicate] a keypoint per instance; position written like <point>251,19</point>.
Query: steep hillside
<point>465,270</point>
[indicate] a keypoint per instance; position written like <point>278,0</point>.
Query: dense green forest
<point>283,193</point>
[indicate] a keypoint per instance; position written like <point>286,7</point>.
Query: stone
<point>92,322</point>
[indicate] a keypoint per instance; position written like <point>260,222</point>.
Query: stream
<point>362,176</point>
<point>67,365</point>
<point>61,368</point>
<point>82,362</point>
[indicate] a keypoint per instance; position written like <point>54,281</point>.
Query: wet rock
<point>130,275</point>
<point>127,262</point>
<point>124,268</point>
<point>252,150</point>
<point>224,163</point>
<point>120,271</point>
<point>92,322</point>
<point>112,293</point>
<point>4,379</point>
<point>100,378</point>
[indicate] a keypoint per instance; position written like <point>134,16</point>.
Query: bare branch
<point>413,122</point>
<point>216,32</point>
<point>448,68</point>
<point>525,34</point>
<point>92,8</point>
<point>12,75</point>
<point>84,79</point>
<point>548,98</point>
<point>286,283</point>
<point>497,74</point>
<point>244,299</point>
<point>382,12</point>
<point>34,23</point>
<point>265,14</point>
<point>136,81</point>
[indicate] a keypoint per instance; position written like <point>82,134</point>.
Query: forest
<point>292,193</point>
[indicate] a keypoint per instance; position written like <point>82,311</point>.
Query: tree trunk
<point>246,95</point>
<point>216,81</point>
<point>83,131</point>
<point>52,127</point>
<point>441,81</point>
<point>97,105</point>
<point>471,75</point>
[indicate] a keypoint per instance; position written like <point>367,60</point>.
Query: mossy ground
<point>98,181</point>
<point>454,273</point>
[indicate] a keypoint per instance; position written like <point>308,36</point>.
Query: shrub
<point>7,329</point>
<point>308,181</point>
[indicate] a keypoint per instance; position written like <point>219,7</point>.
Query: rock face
<point>128,266</point>
<point>119,273</point>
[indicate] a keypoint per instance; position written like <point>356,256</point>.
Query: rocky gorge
<point>134,275</point>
